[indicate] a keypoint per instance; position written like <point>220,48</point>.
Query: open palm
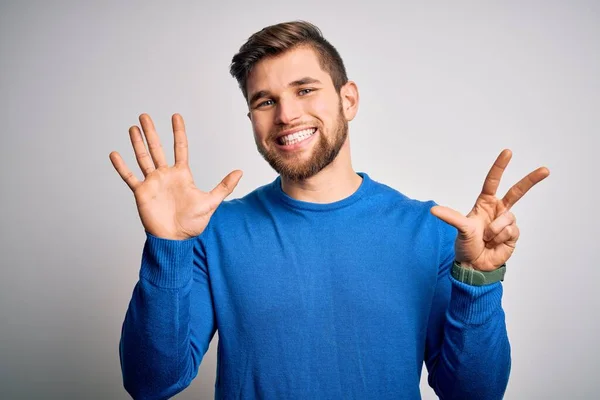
<point>169,203</point>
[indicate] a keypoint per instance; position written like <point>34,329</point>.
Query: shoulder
<point>412,218</point>
<point>249,206</point>
<point>395,202</point>
<point>388,196</point>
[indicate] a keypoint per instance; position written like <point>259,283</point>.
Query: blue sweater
<point>345,300</point>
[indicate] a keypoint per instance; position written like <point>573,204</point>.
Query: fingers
<point>507,236</point>
<point>520,188</point>
<point>225,187</point>
<point>141,153</point>
<point>123,171</point>
<point>452,217</point>
<point>180,140</point>
<point>492,180</point>
<point>497,225</point>
<point>153,141</point>
<point>502,230</point>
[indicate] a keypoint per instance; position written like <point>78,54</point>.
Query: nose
<point>287,111</point>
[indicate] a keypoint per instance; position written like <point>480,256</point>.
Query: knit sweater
<point>345,300</point>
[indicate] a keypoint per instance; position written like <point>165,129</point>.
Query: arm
<point>170,319</point>
<point>164,338</point>
<point>467,349</point>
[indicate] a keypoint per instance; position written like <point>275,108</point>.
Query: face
<point>297,116</point>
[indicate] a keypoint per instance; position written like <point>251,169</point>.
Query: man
<point>323,284</point>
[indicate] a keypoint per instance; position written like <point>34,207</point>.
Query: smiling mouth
<point>296,137</point>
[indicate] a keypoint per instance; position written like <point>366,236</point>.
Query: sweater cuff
<point>167,263</point>
<point>475,305</point>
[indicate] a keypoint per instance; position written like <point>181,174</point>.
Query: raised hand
<point>488,234</point>
<point>169,203</point>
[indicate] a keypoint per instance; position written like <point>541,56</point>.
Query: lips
<point>297,136</point>
<point>297,140</point>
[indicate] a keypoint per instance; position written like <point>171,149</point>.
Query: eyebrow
<point>265,93</point>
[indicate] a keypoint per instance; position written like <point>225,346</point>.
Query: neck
<point>335,182</point>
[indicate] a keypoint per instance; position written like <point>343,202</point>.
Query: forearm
<point>154,347</point>
<point>473,361</point>
<point>156,352</point>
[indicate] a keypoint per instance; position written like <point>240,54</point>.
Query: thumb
<point>451,217</point>
<point>225,187</point>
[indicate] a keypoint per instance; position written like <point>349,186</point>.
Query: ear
<point>350,99</point>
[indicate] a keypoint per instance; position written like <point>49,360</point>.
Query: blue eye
<point>265,103</point>
<point>304,91</point>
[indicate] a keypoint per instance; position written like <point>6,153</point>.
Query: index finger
<point>520,188</point>
<point>180,140</point>
<point>492,180</point>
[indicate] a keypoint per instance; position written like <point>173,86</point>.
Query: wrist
<point>464,272</point>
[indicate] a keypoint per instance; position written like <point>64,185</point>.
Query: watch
<point>477,278</point>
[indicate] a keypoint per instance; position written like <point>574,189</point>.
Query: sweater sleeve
<point>164,338</point>
<point>467,350</point>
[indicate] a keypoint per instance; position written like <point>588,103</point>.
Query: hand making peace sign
<point>488,234</point>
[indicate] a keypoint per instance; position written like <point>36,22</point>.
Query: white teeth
<point>297,137</point>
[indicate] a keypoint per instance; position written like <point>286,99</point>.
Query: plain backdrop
<point>444,86</point>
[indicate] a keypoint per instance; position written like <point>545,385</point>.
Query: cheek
<point>325,109</point>
<point>261,127</point>
<point>320,106</point>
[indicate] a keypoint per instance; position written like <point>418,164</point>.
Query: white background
<point>444,88</point>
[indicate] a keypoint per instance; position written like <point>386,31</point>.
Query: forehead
<point>273,73</point>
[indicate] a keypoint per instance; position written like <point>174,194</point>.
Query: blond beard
<point>323,154</point>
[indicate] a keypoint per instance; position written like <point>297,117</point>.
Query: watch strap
<point>474,277</point>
